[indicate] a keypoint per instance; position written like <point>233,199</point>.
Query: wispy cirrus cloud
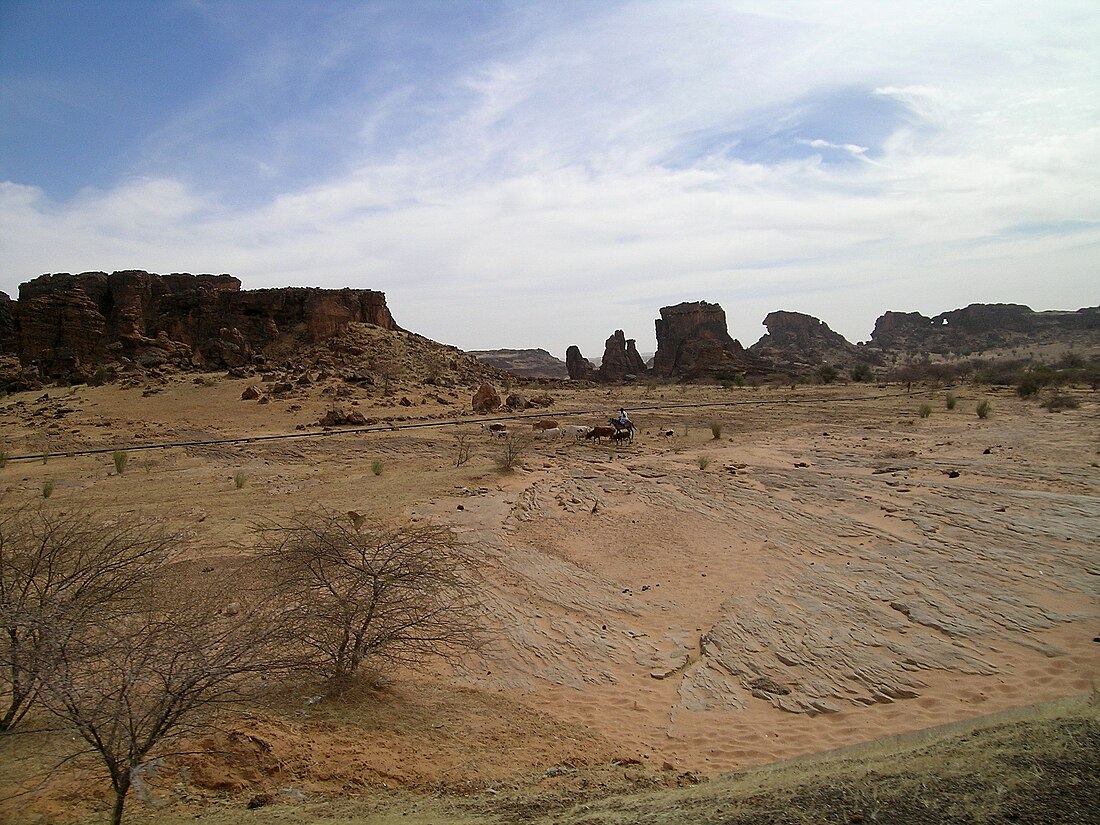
<point>556,173</point>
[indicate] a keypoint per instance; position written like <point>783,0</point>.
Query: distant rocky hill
<point>78,327</point>
<point>530,363</point>
<point>693,342</point>
<point>983,327</point>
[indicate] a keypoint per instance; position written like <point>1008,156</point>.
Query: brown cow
<point>601,432</point>
<point>545,424</point>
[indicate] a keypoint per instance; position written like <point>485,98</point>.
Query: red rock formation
<point>66,324</point>
<point>620,359</point>
<point>580,368</point>
<point>980,327</point>
<point>692,342</point>
<point>485,400</point>
<point>798,341</point>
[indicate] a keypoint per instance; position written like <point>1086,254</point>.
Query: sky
<point>518,174</point>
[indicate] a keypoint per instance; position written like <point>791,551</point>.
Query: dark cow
<point>600,433</point>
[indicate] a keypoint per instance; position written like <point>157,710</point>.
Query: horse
<point>619,425</point>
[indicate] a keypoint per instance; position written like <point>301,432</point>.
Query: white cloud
<point>530,206</point>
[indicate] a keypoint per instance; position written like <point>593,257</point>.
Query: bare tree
<point>366,592</point>
<point>511,451</point>
<point>131,687</point>
<point>61,573</point>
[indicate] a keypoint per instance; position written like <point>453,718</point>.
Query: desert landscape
<point>767,571</point>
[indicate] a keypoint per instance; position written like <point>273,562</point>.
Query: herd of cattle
<point>550,429</point>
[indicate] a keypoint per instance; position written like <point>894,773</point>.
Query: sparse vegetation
<point>716,430</point>
<point>62,575</point>
<point>462,449</point>
<point>376,467</point>
<point>3,457</point>
<point>704,462</point>
<point>827,373</point>
<point>1058,401</point>
<point>47,488</point>
<point>510,452</point>
<point>984,408</point>
<point>862,373</point>
<point>369,593</point>
<point>240,478</point>
<point>120,458</point>
<point>950,401</point>
<point>925,410</point>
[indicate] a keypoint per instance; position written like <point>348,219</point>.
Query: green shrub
<point>704,462</point>
<point>984,408</point>
<point>376,467</point>
<point>950,401</point>
<point>925,410</point>
<point>3,458</point>
<point>121,458</point>
<point>240,478</point>
<point>716,429</point>
<point>47,489</point>
<point>862,373</point>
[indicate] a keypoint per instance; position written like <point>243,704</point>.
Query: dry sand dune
<point>838,571</point>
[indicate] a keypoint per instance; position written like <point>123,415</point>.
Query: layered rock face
<point>980,327</point>
<point>66,324</point>
<point>693,342</point>
<point>580,368</point>
<point>530,363</point>
<point>799,341</point>
<point>620,359</point>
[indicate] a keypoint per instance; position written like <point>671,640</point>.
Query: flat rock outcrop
<point>693,342</point>
<point>798,341</point>
<point>530,363</point>
<point>981,327</point>
<point>65,325</point>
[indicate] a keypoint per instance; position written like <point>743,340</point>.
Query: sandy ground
<point>828,571</point>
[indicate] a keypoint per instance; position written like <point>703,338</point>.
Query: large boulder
<point>486,399</point>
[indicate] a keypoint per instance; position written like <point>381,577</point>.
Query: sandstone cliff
<point>621,360</point>
<point>65,325</point>
<point>981,327</point>
<point>797,342</point>
<point>580,368</point>
<point>530,363</point>
<point>693,342</point>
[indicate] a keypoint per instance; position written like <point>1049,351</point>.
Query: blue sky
<point>535,174</point>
